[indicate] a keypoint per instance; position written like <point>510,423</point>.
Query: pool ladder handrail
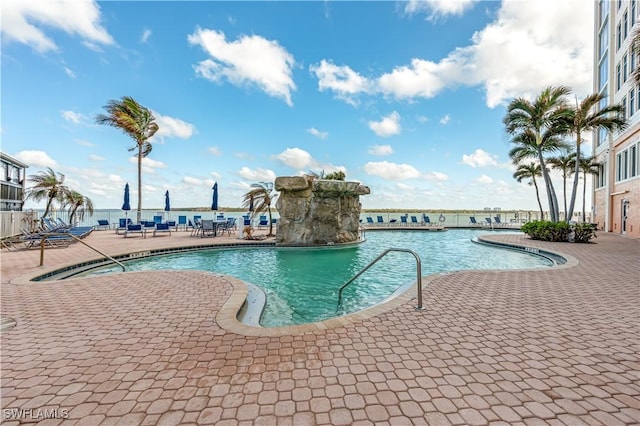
<point>383,254</point>
<point>66,234</point>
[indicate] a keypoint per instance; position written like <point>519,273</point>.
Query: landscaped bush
<point>559,231</point>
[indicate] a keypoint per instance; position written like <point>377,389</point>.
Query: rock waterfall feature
<point>318,211</point>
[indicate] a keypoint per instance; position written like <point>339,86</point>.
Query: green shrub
<point>559,231</point>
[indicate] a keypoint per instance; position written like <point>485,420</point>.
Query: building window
<point>604,10</point>
<point>624,68</point>
<point>603,41</point>
<point>619,37</point>
<point>632,60</point>
<point>623,103</point>
<point>603,73</point>
<point>618,77</point>
<point>626,24</point>
<point>619,4</point>
<point>633,12</point>
<point>632,102</point>
<point>601,176</point>
<point>633,157</point>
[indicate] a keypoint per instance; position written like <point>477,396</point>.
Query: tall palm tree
<point>47,185</point>
<point>540,122</point>
<point>136,121</point>
<point>635,45</point>
<point>79,204</point>
<point>261,196</point>
<point>587,116</point>
<point>530,171</point>
<point>588,166</point>
<point>566,164</point>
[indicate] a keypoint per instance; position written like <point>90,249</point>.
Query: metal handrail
<point>65,234</point>
<point>384,253</point>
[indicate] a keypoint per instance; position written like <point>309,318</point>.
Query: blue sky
<point>405,97</point>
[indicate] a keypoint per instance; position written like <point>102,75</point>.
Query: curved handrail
<point>384,253</point>
<point>65,234</point>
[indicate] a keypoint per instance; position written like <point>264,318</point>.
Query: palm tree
<point>48,185</point>
<point>588,166</point>
<point>587,116</point>
<point>79,204</point>
<point>530,171</point>
<point>565,163</point>
<point>540,123</point>
<point>136,121</point>
<point>261,196</point>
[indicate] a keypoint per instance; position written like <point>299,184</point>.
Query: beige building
<point>616,193</point>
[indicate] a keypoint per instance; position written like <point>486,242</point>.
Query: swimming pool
<point>302,284</point>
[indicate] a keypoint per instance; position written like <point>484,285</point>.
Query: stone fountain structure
<point>318,211</point>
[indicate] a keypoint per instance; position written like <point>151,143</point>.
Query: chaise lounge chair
<point>162,228</point>
<point>473,221</point>
<point>103,224</point>
<point>135,229</point>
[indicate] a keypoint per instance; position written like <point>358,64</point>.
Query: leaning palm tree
<point>588,166</point>
<point>136,121</point>
<point>530,171</point>
<point>47,185</point>
<point>587,116</point>
<point>540,120</point>
<point>78,204</point>
<point>565,163</point>
<point>261,196</point>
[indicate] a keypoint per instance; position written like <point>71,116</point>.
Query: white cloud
<point>36,159</point>
<point>436,176</point>
<point>438,8</point>
<point>538,43</point>
<point>445,120</point>
<point>257,175</point>
<point>295,158</point>
<point>169,127</point>
<point>342,80</point>
<point>24,22</point>
<point>388,126</point>
<point>148,165</point>
<point>214,150</point>
<point>317,133</point>
<point>215,175</point>
<point>145,35</point>
<point>94,157</point>
<point>69,72</point>
<point>250,60</point>
<point>480,158</point>
<point>74,117</point>
<point>380,150</point>
<point>391,171</point>
<point>484,179</point>
<point>193,181</point>
<point>84,143</point>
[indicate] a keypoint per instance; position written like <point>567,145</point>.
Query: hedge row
<point>559,231</point>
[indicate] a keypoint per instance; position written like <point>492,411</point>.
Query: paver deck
<point>557,346</point>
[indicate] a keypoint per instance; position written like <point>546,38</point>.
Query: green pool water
<point>302,285</point>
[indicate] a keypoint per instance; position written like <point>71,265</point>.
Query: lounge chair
<point>414,220</point>
<point>246,220</point>
<point>403,220</point>
<point>380,220</point>
<point>34,239</point>
<point>172,224</point>
<point>370,221</point>
<point>122,225</point>
<point>473,221</point>
<point>157,219</point>
<point>426,221</point>
<point>148,225</point>
<point>263,222</point>
<point>162,228</point>
<point>135,229</point>
<point>393,222</point>
<point>103,224</point>
<point>488,221</point>
<point>498,222</point>
<point>182,223</point>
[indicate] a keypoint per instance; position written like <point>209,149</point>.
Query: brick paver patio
<point>558,346</point>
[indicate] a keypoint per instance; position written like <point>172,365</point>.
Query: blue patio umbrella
<point>214,201</point>
<point>126,206</point>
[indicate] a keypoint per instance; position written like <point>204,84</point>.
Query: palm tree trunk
<point>551,194</point>
<point>574,190</point>
<point>584,200</point>
<point>270,222</point>
<point>564,195</point>
<point>139,214</point>
<point>535,184</point>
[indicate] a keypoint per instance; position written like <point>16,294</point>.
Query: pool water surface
<point>301,285</point>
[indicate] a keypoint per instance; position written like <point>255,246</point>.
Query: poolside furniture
<point>498,222</point>
<point>473,221</point>
<point>122,225</point>
<point>370,221</point>
<point>380,220</point>
<point>403,220</point>
<point>34,239</point>
<point>426,221</point>
<point>263,222</point>
<point>103,224</point>
<point>207,229</point>
<point>148,225</point>
<point>220,216</point>
<point>393,222</point>
<point>133,229</point>
<point>162,228</point>
<point>228,225</point>
<point>157,219</point>
<point>414,220</point>
<point>488,220</point>
<point>172,224</point>
<point>182,223</point>
<point>246,220</point>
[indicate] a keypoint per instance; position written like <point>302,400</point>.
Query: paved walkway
<point>558,346</point>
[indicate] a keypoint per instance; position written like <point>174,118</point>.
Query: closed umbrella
<point>251,205</point>
<point>126,206</point>
<point>214,201</point>
<point>167,203</point>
